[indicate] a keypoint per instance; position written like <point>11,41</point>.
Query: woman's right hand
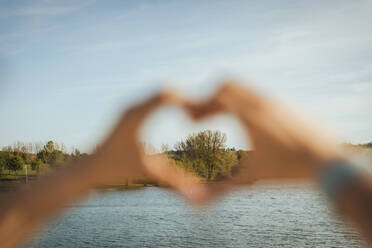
<point>284,146</point>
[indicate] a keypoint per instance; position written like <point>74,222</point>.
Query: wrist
<point>93,168</point>
<point>107,168</point>
<point>324,157</point>
<point>338,175</point>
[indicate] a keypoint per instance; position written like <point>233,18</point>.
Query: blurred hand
<point>284,146</point>
<point>122,157</point>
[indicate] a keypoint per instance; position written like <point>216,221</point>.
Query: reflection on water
<point>264,216</point>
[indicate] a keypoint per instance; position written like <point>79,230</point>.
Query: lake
<point>261,216</point>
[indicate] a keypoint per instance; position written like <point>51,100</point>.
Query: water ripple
<point>270,216</point>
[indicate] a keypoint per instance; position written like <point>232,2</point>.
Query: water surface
<point>263,216</point>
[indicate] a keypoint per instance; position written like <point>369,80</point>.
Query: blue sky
<point>68,68</point>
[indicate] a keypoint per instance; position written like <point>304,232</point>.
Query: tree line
<point>39,156</point>
<point>204,154</point>
<point>357,146</point>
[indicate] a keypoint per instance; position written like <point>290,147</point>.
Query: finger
<point>245,177</point>
<point>219,102</point>
<point>142,110</point>
<point>136,115</point>
<point>230,97</point>
<point>205,109</point>
<point>184,182</point>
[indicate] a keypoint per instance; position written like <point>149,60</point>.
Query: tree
<point>63,148</point>
<point>164,148</point>
<point>76,154</point>
<point>37,146</point>
<point>7,149</point>
<point>29,146</point>
<point>55,157</point>
<point>50,155</point>
<point>36,164</point>
<point>14,163</point>
<point>43,155</point>
<point>205,153</point>
<point>49,146</point>
<point>2,162</point>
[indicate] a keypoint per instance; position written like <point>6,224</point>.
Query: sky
<point>68,69</point>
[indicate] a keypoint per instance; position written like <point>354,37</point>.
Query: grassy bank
<point>11,182</point>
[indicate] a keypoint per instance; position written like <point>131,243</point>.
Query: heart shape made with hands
<point>158,128</point>
<point>184,182</point>
<point>285,147</point>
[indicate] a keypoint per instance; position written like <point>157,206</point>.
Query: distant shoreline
<point>7,185</point>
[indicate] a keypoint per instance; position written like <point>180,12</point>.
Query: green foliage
<point>364,148</point>
<point>2,163</point>
<point>76,154</point>
<point>50,155</point>
<point>14,163</point>
<point>49,146</point>
<point>39,156</point>
<point>206,155</point>
<point>37,165</point>
<point>164,148</point>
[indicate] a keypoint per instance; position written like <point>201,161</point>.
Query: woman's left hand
<point>122,157</point>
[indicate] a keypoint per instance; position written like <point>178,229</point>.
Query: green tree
<point>2,162</point>
<point>36,164</point>
<point>43,155</point>
<point>7,149</point>
<point>14,163</point>
<point>164,148</point>
<point>76,154</point>
<point>205,153</point>
<point>50,155</point>
<point>56,157</point>
<point>49,146</point>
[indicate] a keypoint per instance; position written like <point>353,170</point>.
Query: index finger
<point>143,109</point>
<point>136,115</point>
<point>230,97</point>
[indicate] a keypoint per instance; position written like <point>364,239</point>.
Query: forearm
<point>355,203</point>
<point>350,189</point>
<point>31,205</point>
